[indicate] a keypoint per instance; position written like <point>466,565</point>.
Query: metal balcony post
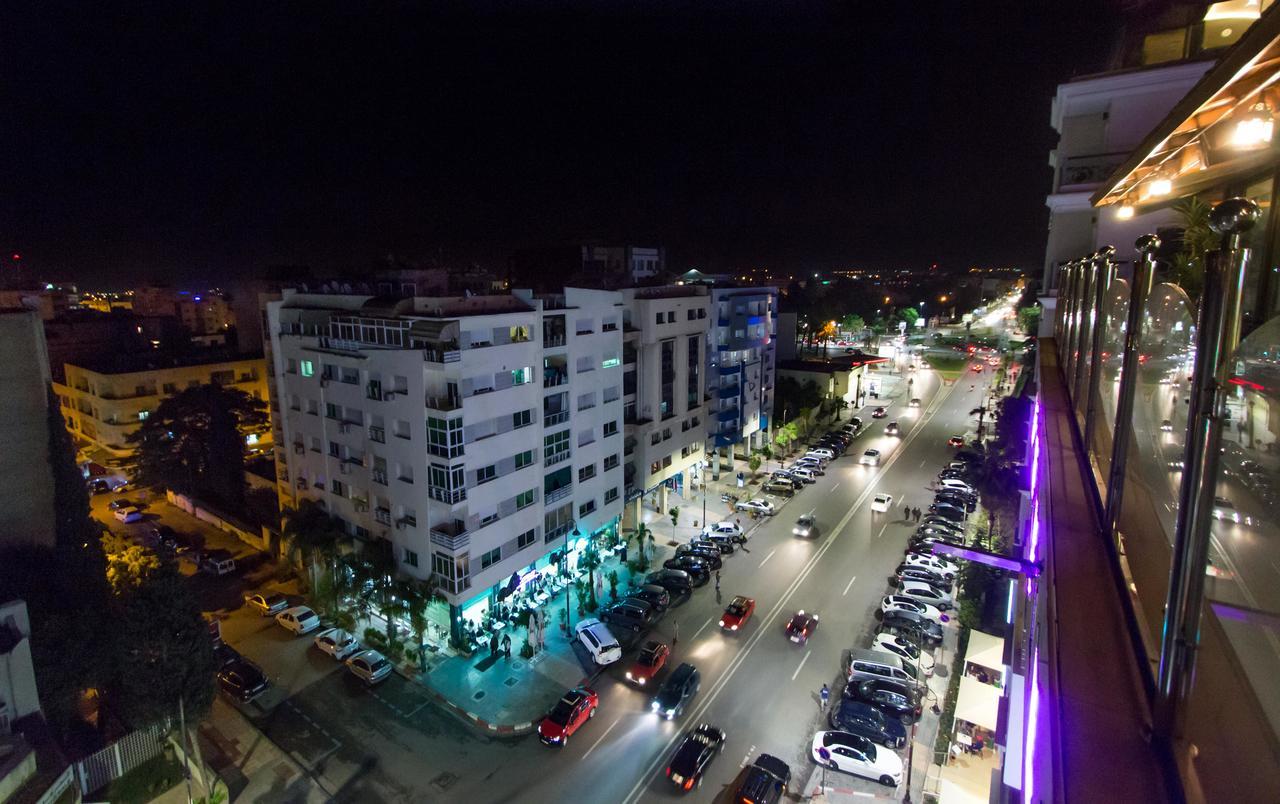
<point>1217,336</point>
<point>1104,267</point>
<point>1089,277</point>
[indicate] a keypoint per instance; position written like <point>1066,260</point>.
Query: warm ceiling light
<point>1253,130</point>
<point>1124,212</point>
<point>1156,187</point>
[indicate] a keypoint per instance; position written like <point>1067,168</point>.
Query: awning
<point>986,650</point>
<point>978,703</point>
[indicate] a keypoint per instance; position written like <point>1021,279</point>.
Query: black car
<point>677,691</point>
<point>910,625</point>
<point>765,781</point>
<point>673,580</point>
<point>708,553</point>
<point>940,523</point>
<point>697,569</point>
<point>948,512</point>
<point>242,680</point>
<point>967,504</point>
<point>932,577</point>
<point>99,486</point>
<point>634,615</point>
<point>726,543</point>
<point>865,720</point>
<point>893,698</point>
<point>654,595</point>
<point>695,753</point>
<point>801,626</point>
<point>952,474</point>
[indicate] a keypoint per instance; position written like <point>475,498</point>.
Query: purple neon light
<point>1033,723</point>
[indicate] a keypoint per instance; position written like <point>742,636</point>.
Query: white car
<point>812,464</point>
<point>881,502</point>
<point>903,648</point>
<point>854,754</point>
<point>337,643</point>
<point>944,568</point>
<point>369,666</point>
<point>596,637</point>
<point>731,529</point>
<point>926,593</point>
<point>870,458</point>
<point>821,452</point>
<point>893,603</point>
<point>299,619</point>
<point>1223,510</point>
<point>804,474</point>
<point>955,483</point>
<point>128,514</point>
<point>761,506</point>
<point>266,602</point>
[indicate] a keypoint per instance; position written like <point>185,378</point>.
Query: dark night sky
<point>191,145</point>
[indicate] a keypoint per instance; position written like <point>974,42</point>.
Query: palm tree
<point>805,420</point>
<point>311,533</point>
<point>640,535</point>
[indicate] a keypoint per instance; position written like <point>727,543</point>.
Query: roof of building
<point>132,363</point>
<point>831,365</point>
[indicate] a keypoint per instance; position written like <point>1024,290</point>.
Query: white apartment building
<point>664,387</point>
<point>481,436</point>
<point>741,357</point>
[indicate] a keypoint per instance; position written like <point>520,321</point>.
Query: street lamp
<point>703,466</point>
<point>568,609</point>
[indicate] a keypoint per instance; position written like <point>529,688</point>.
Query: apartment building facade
<point>481,435</point>
<point>664,387</point>
<point>104,401</point>
<point>27,501</point>
<point>741,360</point>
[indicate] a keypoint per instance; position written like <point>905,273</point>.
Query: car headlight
<point>655,706</point>
<point>733,628</point>
<point>629,678</point>
<point>642,681</point>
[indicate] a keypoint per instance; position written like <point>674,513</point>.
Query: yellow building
<point>105,402</point>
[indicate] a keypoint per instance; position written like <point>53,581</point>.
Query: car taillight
<point>688,784</point>
<point>668,770</point>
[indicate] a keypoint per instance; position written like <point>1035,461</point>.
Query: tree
<point>374,575</point>
<point>126,562</point>
<point>853,323</point>
<point>804,420</point>
<point>909,314</point>
<point>753,463</point>
<point>192,443</point>
<point>1198,239</point>
<point>73,527</point>
<point>311,533</point>
<point>640,536</point>
<point>784,434</point>
<point>674,513</point>
<point>165,654</point>
<point>1029,319</point>
<point>591,560</point>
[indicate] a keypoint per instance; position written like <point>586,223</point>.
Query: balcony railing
<point>1088,169</point>
<point>450,496</point>
<point>555,458</point>
<point>558,494</point>
<point>444,403</point>
<point>383,515</point>
<point>549,341</point>
<point>553,419</point>
<point>450,537</point>
<point>441,355</point>
<point>378,434</point>
<point>552,379</point>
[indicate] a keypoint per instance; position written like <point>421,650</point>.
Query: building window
<point>521,418</point>
<point>170,388</point>
<point>611,362</point>
<point>448,483</point>
<point>308,368</point>
<point>525,499</point>
<point>655,438</point>
<point>521,376</point>
<point>666,433</point>
<point>486,473</point>
<point>586,473</point>
<point>338,489</point>
<point>659,318</point>
<point>610,462</point>
<point>555,446</point>
<point>610,495</point>
<point>610,428</point>
<point>524,459</point>
<point>410,557</point>
<point>444,437</point>
<point>586,508</point>
<point>527,538</point>
<point>143,414</point>
<point>490,558</point>
<point>693,314</point>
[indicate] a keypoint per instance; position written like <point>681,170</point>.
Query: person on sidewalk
<point>717,581</point>
<point>506,645</point>
<point>906,513</point>
<point>493,644</point>
<point>825,695</point>
<point>916,513</point>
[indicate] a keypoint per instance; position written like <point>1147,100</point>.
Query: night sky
<point>188,145</point>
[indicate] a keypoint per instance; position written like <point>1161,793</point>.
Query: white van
<point>872,664</point>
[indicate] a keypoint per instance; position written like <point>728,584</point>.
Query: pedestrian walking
<point>906,513</point>
<point>825,695</point>
<point>717,580</point>
<point>676,636</point>
<point>493,644</point>
<point>916,512</point>
<point>506,645</point>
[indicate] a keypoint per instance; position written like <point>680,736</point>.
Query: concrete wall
<point>26,495</point>
<point>18,693</point>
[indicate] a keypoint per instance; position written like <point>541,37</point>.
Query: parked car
<point>677,692</point>
<point>779,488</point>
<point>709,553</point>
<point>811,465</point>
<point>894,698</point>
<point>242,680</point>
<point>576,707</point>
<point>891,428</point>
<point>865,720</point>
<point>695,752</point>
<point>870,458</point>
<point>217,563</point>
<point>911,625</point>
<point>957,500</point>
<point>650,593</point>
<point>121,504</point>
<point>759,506</point>
<point>99,486</point>
<point>731,529</point>
<point>600,643</point>
<point>634,615</point>
<point>805,475</point>
<point>881,502</point>
<point>903,648</point>
<point>895,603</point>
<point>765,781</point>
<point>922,575</point>
<point>369,666</point>
<point>801,626</point>
<point>945,569</point>
<point>653,657</point>
<point>128,514</point>
<point>337,643</point>
<point>939,523</point>
<point>948,512</point>
<point>266,603</point>
<point>806,527</point>
<point>698,569</point>
<point>954,483</point>
<point>822,452</point>
<point>737,613</point>
<point>674,581</point>
<point>857,755</point>
<point>726,544</point>
<point>299,619</point>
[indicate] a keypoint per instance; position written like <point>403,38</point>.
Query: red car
<point>955,441</point>
<point>575,708</point>
<point>801,626</point>
<point>653,657</point>
<point>737,613</point>
<point>976,367</point>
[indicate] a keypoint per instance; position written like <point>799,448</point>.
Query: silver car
<point>369,666</point>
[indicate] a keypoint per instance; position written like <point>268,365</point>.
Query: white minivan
<point>597,639</point>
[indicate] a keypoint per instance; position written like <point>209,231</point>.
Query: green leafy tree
<point>126,562</point>
<point>642,535</point>
<point>753,463</point>
<point>374,569</point>
<point>193,443</point>
<point>591,559</point>
<point>674,513</point>
<point>165,654</point>
<point>1029,319</point>
<point>853,323</point>
<point>73,527</point>
<point>1197,241</point>
<point>312,536</point>
<point>909,314</point>
<point>784,435</point>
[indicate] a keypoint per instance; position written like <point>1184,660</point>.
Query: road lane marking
<point>922,463</point>
<point>766,558</point>
<point>836,486</point>
<point>801,665</point>
<point>704,625</point>
<point>646,776</point>
<point>848,586</point>
<point>602,736</point>
<point>882,530</point>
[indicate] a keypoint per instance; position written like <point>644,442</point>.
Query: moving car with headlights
<point>266,602</point>
<point>855,754</point>
<point>677,692</point>
<point>651,593</point>
<point>696,750</point>
<point>696,568</point>
<point>865,720</point>
<point>765,781</point>
<point>801,626</point>
<point>895,699</point>
<point>806,527</point>
<point>731,529</point>
<point>881,502</point>
<point>892,604</point>
<point>914,403</point>
<point>1224,510</point>
<point>299,619</point>
<point>369,666</point>
<point>242,680</point>
<point>337,643</point>
<point>891,428</point>
<point>653,657</point>
<point>737,613</point>
<point>1166,426</point>
<point>955,441</point>
<point>759,506</point>
<point>870,458</point>
<point>567,716</point>
<point>879,413</point>
<point>600,643</point>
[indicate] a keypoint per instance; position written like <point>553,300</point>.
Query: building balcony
<point>553,419</point>
<point>449,496</point>
<point>442,356</point>
<point>383,515</point>
<point>454,536</point>
<point>558,494</point>
<point>552,341</point>
<point>555,458</point>
<point>552,379</point>
<point>444,404</point>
